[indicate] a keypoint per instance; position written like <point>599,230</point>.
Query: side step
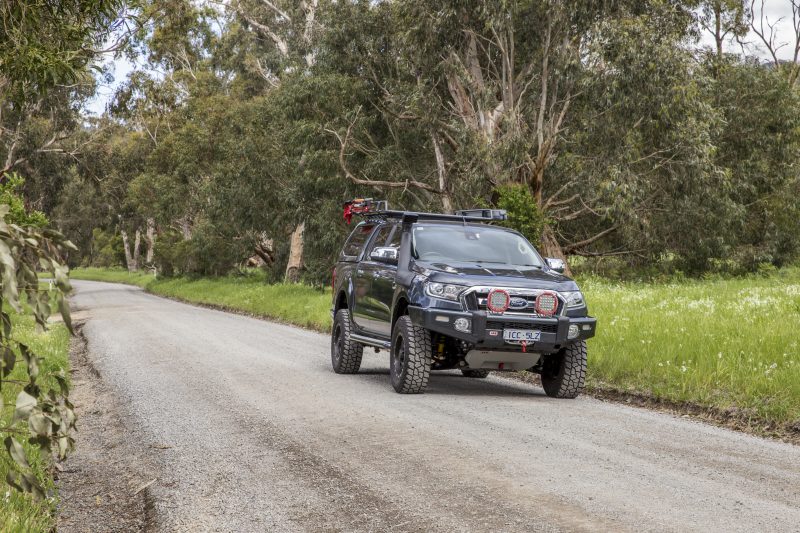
<point>369,341</point>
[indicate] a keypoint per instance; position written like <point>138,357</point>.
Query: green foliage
<point>208,252</point>
<point>42,44</point>
<point>760,150</point>
<point>10,195</point>
<point>242,140</point>
<point>523,213</point>
<point>19,512</point>
<point>107,250</point>
<point>43,415</point>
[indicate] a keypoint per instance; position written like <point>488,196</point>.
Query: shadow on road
<point>449,383</point>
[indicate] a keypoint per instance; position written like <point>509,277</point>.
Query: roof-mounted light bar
<point>492,214</point>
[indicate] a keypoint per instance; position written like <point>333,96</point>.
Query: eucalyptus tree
<point>490,92</point>
<point>45,52</point>
<point>759,149</point>
<point>286,43</point>
<point>175,46</point>
<point>724,20</point>
<point>774,41</point>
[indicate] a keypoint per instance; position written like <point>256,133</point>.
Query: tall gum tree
<point>500,78</point>
<point>287,32</point>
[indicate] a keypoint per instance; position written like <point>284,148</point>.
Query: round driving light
<point>573,331</point>
<point>461,324</point>
<point>498,301</point>
<point>547,303</point>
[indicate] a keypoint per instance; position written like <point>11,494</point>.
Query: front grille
<point>544,328</point>
<point>476,301</point>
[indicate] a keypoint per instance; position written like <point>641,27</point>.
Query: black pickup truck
<point>452,291</point>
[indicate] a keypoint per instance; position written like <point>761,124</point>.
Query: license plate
<point>521,335</point>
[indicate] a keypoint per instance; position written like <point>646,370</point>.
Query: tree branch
<point>446,204</point>
<point>580,244</point>
<point>277,10</point>
<point>372,183</point>
<point>769,41</point>
<point>280,43</point>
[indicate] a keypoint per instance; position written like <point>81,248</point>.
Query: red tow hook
<point>524,346</point>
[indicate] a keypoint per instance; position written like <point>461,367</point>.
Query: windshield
<point>472,244</point>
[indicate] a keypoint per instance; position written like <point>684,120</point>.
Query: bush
<point>207,253</point>
<point>11,195</point>
<point>523,213</point>
<point>107,249</point>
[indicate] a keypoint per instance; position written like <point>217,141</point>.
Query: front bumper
<point>487,328</point>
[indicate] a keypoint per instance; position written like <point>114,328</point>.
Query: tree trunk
<point>150,239</point>
<point>264,251</point>
<point>295,263</point>
<point>447,203</point>
<point>137,241</point>
<point>551,248</point>
<point>185,225</point>
<point>131,257</point>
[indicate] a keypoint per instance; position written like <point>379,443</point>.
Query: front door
<point>374,290</point>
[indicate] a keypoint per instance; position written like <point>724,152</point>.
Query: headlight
<point>573,299</point>
<point>444,291</point>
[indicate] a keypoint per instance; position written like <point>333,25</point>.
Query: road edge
<point>102,484</point>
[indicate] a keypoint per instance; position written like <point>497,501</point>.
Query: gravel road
<point>246,428</point>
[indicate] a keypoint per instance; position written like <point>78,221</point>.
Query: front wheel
<point>564,373</point>
<point>410,364</point>
<point>346,354</point>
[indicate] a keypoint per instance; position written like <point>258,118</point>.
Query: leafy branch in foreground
<point>42,415</point>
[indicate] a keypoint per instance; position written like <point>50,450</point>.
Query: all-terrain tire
<point>564,374</point>
<point>410,359</point>
<point>474,373</point>
<point>346,354</point>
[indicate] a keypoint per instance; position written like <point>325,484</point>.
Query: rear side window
<point>381,234</point>
<point>357,240</point>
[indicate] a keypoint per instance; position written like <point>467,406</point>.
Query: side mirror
<point>556,264</point>
<point>385,254</point>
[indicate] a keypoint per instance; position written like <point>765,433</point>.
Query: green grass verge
<point>18,512</point>
<point>295,304</point>
<point>725,344</point>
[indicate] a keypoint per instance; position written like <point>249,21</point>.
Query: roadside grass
<point>728,344</point>
<point>19,512</point>
<point>296,304</point>
<point>113,275</point>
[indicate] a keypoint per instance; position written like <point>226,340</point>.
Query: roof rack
<point>379,209</point>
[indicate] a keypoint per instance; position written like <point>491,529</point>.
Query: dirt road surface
<point>240,424</point>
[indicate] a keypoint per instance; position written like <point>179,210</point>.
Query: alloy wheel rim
<point>399,356</point>
<point>338,343</point>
